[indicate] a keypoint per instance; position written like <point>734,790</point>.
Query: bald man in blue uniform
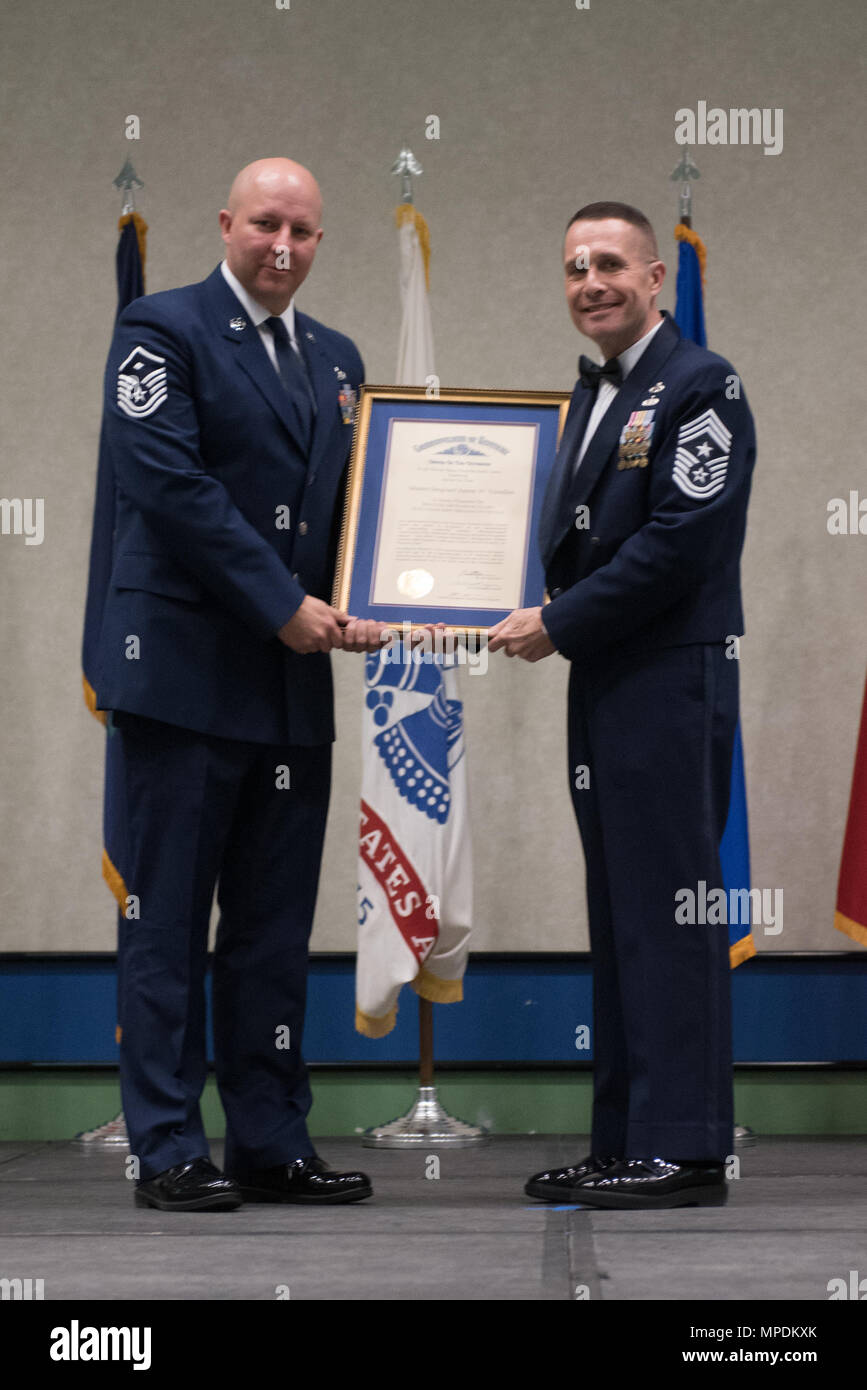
<point>228,424</point>
<point>641,534</point>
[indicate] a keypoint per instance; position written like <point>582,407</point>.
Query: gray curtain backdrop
<point>542,107</point>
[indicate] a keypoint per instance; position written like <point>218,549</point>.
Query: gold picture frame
<point>367,580</point>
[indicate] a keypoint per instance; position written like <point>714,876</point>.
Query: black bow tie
<point>591,373</point>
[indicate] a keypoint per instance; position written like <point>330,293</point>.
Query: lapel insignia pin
<point>238,324</point>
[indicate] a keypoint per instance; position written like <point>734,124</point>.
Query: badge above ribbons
<point>702,456</point>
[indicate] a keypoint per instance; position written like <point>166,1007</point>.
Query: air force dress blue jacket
<point>641,544</point>
<point>227,516</point>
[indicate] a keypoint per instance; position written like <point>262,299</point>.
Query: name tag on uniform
<point>635,439</point>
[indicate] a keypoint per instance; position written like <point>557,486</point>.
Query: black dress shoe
<point>194,1186</point>
<point>305,1180</point>
<point>558,1184</point>
<point>637,1184</point>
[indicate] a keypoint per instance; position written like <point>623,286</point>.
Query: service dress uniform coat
<point>228,488</point>
<point>641,545</point>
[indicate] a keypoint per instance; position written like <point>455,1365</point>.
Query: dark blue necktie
<point>292,371</point>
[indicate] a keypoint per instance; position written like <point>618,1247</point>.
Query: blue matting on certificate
<point>544,417</point>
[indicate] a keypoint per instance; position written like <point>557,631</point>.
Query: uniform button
<point>295,575</point>
<point>302,528</point>
<point>594,540</point>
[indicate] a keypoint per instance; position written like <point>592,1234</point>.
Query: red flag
<point>851,914</point>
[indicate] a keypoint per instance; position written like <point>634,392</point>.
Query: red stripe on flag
<point>852,888</point>
<point>404,891</point>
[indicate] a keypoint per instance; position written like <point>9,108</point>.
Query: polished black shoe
<point>305,1180</point>
<point>194,1186</point>
<point>637,1184</point>
<point>559,1184</point>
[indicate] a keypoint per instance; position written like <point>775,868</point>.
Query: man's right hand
<point>314,627</point>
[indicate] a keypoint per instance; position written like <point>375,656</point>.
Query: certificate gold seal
<point>415,584</point>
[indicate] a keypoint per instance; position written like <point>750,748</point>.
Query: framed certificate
<point>443,503</point>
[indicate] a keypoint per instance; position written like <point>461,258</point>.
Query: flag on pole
<point>130,285</point>
<point>415,352</point>
<point>415,858</point>
<point>851,914</point>
<point>735,845</point>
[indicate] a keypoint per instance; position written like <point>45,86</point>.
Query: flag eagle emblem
<point>420,751</point>
<point>141,383</point>
<point>702,455</point>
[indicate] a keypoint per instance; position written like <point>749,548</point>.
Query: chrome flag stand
<point>426,1124</point>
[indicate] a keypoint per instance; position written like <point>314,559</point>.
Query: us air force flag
<point>414,864</point>
<point>130,286</point>
<point>709,440</point>
<point>415,883</point>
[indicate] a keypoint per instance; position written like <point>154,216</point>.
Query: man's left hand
<point>522,634</point>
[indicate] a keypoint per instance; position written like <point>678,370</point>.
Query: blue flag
<point>735,845</point>
<point>130,286</point>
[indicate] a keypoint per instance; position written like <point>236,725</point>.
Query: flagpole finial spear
<point>406,165</point>
<point>128,181</point>
<point>685,174</point>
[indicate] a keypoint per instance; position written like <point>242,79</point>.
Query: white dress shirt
<point>606,390</point>
<point>257,313</point>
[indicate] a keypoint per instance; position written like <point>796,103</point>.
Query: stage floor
<point>795,1219</point>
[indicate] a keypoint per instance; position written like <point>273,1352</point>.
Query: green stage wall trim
<point>56,1104</point>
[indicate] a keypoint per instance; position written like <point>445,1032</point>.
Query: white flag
<point>415,884</point>
<point>415,354</point>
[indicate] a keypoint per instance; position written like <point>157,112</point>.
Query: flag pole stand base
<point>426,1124</point>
